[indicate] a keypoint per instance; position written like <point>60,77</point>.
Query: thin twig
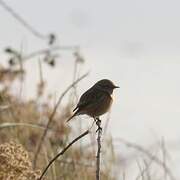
<point>69,162</point>
<point>54,175</point>
<point>145,169</point>
<point>41,84</point>
<point>52,116</point>
<point>45,51</point>
<point>148,154</point>
<point>140,169</point>
<point>22,21</point>
<point>107,123</point>
<point>11,124</point>
<point>62,152</point>
<point>164,156</point>
<point>40,72</point>
<point>98,157</point>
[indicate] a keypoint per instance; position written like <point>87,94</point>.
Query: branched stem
<point>98,157</point>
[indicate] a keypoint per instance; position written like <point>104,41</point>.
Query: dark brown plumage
<point>95,101</point>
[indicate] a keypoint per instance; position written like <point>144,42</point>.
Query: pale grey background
<point>136,43</point>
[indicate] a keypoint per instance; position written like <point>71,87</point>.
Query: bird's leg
<point>98,123</point>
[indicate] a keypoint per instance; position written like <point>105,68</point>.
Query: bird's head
<point>106,85</point>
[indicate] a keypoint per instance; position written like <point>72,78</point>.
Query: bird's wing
<point>84,99</point>
<point>89,98</point>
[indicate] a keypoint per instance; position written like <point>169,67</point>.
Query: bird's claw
<point>98,123</point>
<point>99,129</point>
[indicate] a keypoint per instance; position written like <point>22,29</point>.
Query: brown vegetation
<point>22,123</point>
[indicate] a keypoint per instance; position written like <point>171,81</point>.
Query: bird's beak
<point>116,87</point>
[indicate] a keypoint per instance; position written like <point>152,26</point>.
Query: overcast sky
<point>135,43</point>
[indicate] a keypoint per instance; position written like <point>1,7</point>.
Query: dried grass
<point>15,163</point>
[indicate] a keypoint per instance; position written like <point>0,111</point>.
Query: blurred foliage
<point>15,163</point>
<point>23,121</point>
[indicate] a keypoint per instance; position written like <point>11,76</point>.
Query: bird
<point>96,101</point>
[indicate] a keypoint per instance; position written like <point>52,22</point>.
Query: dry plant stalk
<point>62,152</point>
<point>22,21</point>
<point>98,157</point>
<point>20,114</point>
<point>139,148</point>
<point>52,116</point>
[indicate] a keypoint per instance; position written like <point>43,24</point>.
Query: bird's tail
<point>72,117</point>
